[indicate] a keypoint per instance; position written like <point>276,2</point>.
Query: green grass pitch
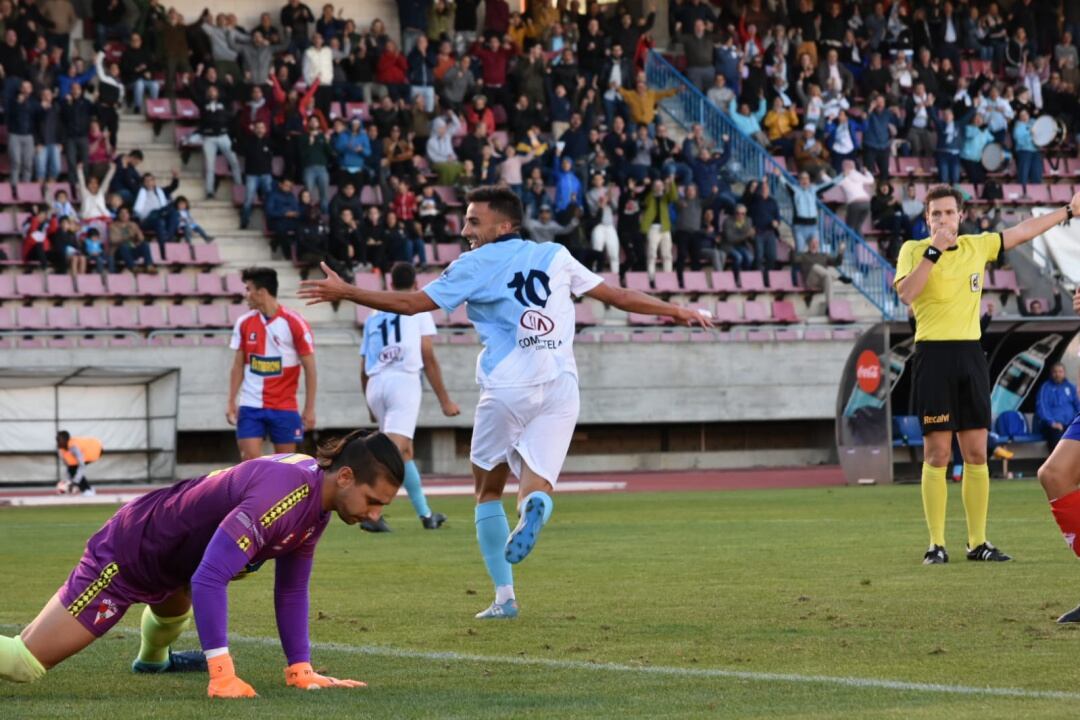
<point>634,605</point>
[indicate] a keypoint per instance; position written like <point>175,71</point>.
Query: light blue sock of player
<point>415,490</point>
<point>492,529</point>
<point>544,498</point>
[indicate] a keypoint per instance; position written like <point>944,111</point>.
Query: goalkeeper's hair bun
<point>365,452</point>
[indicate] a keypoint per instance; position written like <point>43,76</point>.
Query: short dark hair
<point>63,437</point>
<point>402,276</point>
<point>364,452</point>
<point>938,192</point>
<point>262,278</point>
<point>501,199</point>
<point>137,154</point>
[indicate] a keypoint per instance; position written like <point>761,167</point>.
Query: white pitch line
<point>679,672</point>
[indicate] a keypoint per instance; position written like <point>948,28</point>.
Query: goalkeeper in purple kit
<point>176,549</point>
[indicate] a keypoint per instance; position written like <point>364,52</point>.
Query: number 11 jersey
<point>392,342</point>
<point>520,299</point>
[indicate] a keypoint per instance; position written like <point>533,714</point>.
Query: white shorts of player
<point>531,425</point>
<point>394,399</point>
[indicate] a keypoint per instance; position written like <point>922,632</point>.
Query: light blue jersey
<point>519,296</point>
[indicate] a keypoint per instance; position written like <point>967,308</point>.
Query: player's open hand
<point>450,408</point>
<point>332,289</point>
<point>300,675</point>
<point>694,318</point>
<point>223,680</point>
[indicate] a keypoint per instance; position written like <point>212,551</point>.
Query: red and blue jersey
<point>272,350</point>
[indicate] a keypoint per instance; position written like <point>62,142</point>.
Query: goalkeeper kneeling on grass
<point>178,548</point>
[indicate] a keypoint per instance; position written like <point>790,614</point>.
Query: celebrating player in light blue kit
<point>519,296</point>
<point>395,349</point>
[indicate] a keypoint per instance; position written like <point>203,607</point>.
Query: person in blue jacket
<point>1056,405</point>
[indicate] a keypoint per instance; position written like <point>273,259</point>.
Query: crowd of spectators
<point>553,102</point>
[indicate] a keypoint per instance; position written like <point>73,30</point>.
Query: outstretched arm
<point>638,302</point>
<point>1033,227</point>
<point>334,289</point>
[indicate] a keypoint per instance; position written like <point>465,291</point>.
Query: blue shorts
<point>283,426</point>
<point>1073,431</point>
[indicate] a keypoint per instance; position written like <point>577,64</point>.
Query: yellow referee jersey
<point>949,306</point>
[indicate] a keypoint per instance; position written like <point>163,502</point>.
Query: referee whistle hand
<point>943,238</point>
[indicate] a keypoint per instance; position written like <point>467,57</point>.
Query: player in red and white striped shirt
<point>272,343</point>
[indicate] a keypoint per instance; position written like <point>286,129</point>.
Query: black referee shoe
<point>987,553</point>
<point>1072,616</point>
<point>936,555</point>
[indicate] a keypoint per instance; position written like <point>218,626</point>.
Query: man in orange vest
<point>76,453</point>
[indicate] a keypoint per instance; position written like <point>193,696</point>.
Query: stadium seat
<point>1004,280</point>
<point>783,311</point>
<point>357,109</point>
<point>61,318</point>
<point>151,286</point>
<point>363,313</point>
<point>234,285</point>
<point>726,313</point>
<point>152,317</point>
<point>31,286</point>
<point>158,109</point>
<point>92,317</point>
<point>209,285</point>
<point>584,315</point>
<point>122,317</point>
<point>844,334</point>
<point>1037,194</point>
<point>423,279</point>
<point>7,195</point>
<point>212,316</point>
<point>817,334</point>
<point>217,339</point>
<point>90,286</point>
<point>186,110</point>
<point>370,195</point>
<point>31,343</point>
<point>751,281</point>
<point>235,311</point>
<point>695,282</point>
<point>724,282</point>
<point>611,279</point>
<point>907,431</point>
<point>29,193</point>
<point>1061,193</point>
<point>7,288</point>
<point>30,318</point>
<point>780,281</point>
<point>1012,426</point>
<point>468,338</point>
<point>756,312</point>
<point>638,319</point>
<point>180,284</point>
<point>645,337</point>
<point>60,286</point>
<point>121,285</point>
<point>638,281</point>
<point>7,220</point>
<point>177,253</point>
<point>667,282</point>
<point>759,335</point>
<point>7,317</point>
<point>840,311</point>
<point>786,335</point>
<point>93,342</point>
<point>182,316</point>
<point>675,337</point>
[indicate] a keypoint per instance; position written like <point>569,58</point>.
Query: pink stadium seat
<point>1003,280</point>
<point>751,281</point>
<point>816,334</point>
<point>234,285</point>
<point>638,281</point>
<point>29,194</point>
<point>7,220</point>
<point>186,110</point>
<point>180,284</point>
<point>756,312</point>
<point>237,310</point>
<point>1038,194</point>
<point>840,311</point>
<point>60,286</point>
<point>370,195</point>
<point>357,109</point>
<point>724,282</point>
<point>703,336</point>
<point>759,336</point>
<point>152,317</point>
<point>7,195</point>
<point>844,334</point>
<point>1060,193</point>
<point>182,316</point>
<point>177,253</point>
<point>363,313</point>
<point>1013,192</point>
<point>61,318</point>
<point>122,284</point>
<point>92,317</point>
<point>155,254</point>
<point>31,286</point>
<point>369,281</point>
<point>122,317</point>
<point>335,110</point>
<point>726,313</point>
<point>645,337</point>
<point>667,282</point>
<point>93,343</point>
<point>212,316</point>
<point>36,343</point>
<point>90,285</point>
<point>675,337</point>
<point>151,285</point>
<point>448,195</point>
<point>7,288</point>
<point>158,109</point>
<point>611,279</point>
<point>695,282</point>
<point>7,318</point>
<point>30,318</point>
<point>637,319</point>
<point>183,136</point>
<point>780,281</point>
<point>583,314</point>
<point>786,335</point>
<point>784,312</point>
<point>209,285</point>
<point>586,338</point>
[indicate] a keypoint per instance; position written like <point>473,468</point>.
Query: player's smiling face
<point>482,225</point>
<point>358,501</point>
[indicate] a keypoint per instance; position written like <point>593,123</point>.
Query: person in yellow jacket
<point>642,102</point>
<point>76,453</point>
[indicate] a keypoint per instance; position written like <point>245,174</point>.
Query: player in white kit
<point>520,299</point>
<point>394,351</point>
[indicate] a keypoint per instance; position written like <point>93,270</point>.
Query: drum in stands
<point>993,157</point>
<point>1047,130</point>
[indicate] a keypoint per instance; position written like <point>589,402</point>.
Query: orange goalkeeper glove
<point>223,680</point>
<point>300,675</point>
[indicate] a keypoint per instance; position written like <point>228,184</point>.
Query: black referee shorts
<point>952,385</point>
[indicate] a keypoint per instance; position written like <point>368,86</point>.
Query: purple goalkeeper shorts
<point>96,592</point>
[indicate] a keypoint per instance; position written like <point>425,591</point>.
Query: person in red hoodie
<point>392,71</point>
<point>495,59</point>
<point>38,228</point>
<point>478,113</point>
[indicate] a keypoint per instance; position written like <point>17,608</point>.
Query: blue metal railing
<point>871,274</point>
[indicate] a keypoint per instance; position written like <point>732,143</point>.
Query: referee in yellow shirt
<point>941,278</point>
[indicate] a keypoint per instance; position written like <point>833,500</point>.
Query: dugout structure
<point>132,411</point>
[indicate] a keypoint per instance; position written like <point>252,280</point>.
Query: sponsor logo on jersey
<point>243,542</point>
<point>284,505</point>
<point>308,533</point>
<point>975,278</point>
<point>935,419</point>
<point>265,366</point>
<point>391,354</point>
<point>868,372</point>
<point>537,322</point>
<point>94,589</point>
<point>106,609</point>
<point>288,539</point>
<point>253,336</point>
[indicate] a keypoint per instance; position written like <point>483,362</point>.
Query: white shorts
<point>531,425</point>
<point>394,399</point>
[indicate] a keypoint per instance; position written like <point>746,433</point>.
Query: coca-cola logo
<point>390,354</point>
<point>537,322</point>
<point>868,371</point>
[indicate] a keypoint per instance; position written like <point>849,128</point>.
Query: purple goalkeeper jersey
<point>269,506</point>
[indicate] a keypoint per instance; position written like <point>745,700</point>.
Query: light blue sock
<point>544,498</point>
<point>492,530</point>
<point>415,490</point>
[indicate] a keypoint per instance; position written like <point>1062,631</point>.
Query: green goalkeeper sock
<point>18,664</point>
<point>158,634</point>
